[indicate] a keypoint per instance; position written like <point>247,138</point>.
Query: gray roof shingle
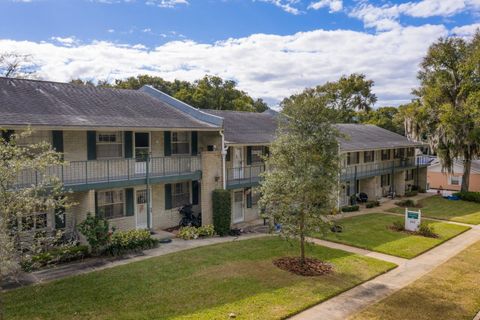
<point>247,127</point>
<point>44,103</point>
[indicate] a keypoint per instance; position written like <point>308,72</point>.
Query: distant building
<point>453,181</point>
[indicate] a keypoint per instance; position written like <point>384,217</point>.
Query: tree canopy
<point>344,98</point>
<point>389,118</point>
<point>210,92</point>
<point>448,114</point>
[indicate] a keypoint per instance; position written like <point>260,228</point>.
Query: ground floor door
<point>141,204</point>
<point>238,206</point>
<point>142,149</point>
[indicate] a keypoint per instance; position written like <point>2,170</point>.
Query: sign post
<point>412,220</point>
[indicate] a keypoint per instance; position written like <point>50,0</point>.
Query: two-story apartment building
<point>137,156</point>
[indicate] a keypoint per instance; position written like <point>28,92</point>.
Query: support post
<point>148,191</point>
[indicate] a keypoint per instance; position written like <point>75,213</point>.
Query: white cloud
<point>386,17</point>
<point>67,41</point>
<point>334,5</point>
<point>266,66</point>
<point>285,5</point>
<point>466,31</point>
<point>166,3</point>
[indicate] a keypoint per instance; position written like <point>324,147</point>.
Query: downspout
<point>224,157</point>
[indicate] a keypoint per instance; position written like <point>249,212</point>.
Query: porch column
<point>211,180</point>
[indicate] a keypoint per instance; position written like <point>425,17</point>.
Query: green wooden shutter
<point>266,151</point>
<point>91,145</point>
<point>167,143</point>
<point>128,146</point>
<point>249,197</point>
<point>129,202</point>
<point>227,158</point>
<point>168,196</point>
<point>195,192</point>
<point>194,143</point>
<point>57,140</point>
<point>249,155</point>
<point>96,205</point>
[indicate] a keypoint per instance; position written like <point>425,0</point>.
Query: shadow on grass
<point>208,282</point>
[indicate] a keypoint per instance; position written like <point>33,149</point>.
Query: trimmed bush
<point>188,233</point>
<point>406,203</point>
<point>222,211</point>
<point>130,241</point>
<point>372,204</point>
<point>96,230</point>
<point>54,256</point>
<point>468,196</point>
<point>350,208</point>
<point>427,230</point>
<point>412,193</point>
<point>397,226</point>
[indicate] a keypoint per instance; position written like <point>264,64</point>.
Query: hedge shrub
<point>371,204</point>
<point>412,193</point>
<point>188,233</point>
<point>350,208</point>
<point>130,241</point>
<point>468,196</point>
<point>406,203</point>
<point>222,211</point>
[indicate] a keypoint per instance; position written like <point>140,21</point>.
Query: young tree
<point>344,97</point>
<point>300,186</point>
<point>16,65</point>
<point>449,114</point>
<point>21,202</point>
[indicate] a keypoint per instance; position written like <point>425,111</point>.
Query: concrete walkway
<point>95,264</point>
<point>355,299</point>
<point>477,317</point>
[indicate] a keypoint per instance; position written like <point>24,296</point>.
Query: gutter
<point>224,157</point>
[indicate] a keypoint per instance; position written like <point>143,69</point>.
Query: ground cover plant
<point>204,283</point>
<point>372,232</point>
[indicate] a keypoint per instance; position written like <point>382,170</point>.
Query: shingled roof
<point>44,103</point>
<point>247,127</point>
<point>360,137</point>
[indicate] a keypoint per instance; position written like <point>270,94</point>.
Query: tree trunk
<point>467,164</point>
<point>302,237</point>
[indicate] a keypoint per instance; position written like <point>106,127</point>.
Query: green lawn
<point>370,232</point>
<point>203,283</point>
<point>440,208</point>
<point>451,291</point>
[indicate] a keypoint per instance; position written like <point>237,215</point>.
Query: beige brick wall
<point>399,183</point>
<point>211,180</point>
<point>157,143</point>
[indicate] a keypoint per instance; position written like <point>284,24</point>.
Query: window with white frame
<point>386,154</point>
<point>111,204</point>
<point>109,145</point>
<point>455,180</point>
<point>34,222</point>
<point>181,142</point>
<point>180,194</point>
<point>369,156</point>
<point>353,158</point>
<point>257,153</point>
<point>256,195</point>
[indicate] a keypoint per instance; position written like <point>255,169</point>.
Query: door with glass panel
<point>238,214</point>
<point>141,208</point>
<point>142,149</point>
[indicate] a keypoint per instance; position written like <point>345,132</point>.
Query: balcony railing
<point>242,177</point>
<point>360,171</point>
<point>83,173</point>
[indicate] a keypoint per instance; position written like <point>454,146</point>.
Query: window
<point>353,158</point>
<point>455,180</point>
<point>109,145</point>
<point>399,153</point>
<point>385,180</point>
<point>410,152</point>
<point>36,221</point>
<point>180,194</point>
<point>181,142</point>
<point>369,156</point>
<point>111,204</point>
<point>256,195</point>
<point>34,138</point>
<point>257,153</point>
<point>409,174</point>
<point>385,155</point>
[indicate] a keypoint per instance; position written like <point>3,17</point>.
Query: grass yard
<point>440,208</point>
<point>370,232</point>
<point>451,291</point>
<point>203,283</point>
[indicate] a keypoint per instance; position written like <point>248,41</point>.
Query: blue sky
<point>273,48</point>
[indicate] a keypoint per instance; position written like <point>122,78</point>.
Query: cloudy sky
<point>272,48</point>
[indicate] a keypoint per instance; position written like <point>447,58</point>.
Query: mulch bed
<point>311,267</point>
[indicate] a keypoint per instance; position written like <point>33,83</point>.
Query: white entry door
<point>237,163</point>
<point>142,149</point>
<point>141,208</point>
<point>238,214</point>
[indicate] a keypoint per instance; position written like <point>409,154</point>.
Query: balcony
<point>244,177</point>
<point>362,171</point>
<point>86,175</point>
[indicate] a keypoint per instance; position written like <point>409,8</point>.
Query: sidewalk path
<point>95,264</point>
<point>354,300</point>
